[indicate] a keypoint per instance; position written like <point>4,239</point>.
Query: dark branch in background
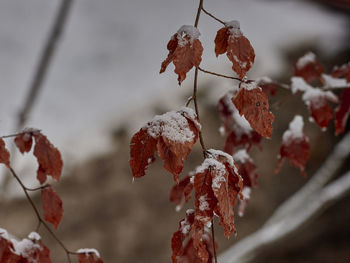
<point>48,52</point>
<point>41,70</point>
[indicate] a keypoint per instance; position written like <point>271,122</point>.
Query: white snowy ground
<point>109,59</point>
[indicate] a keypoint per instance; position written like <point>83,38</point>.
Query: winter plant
<point>226,177</point>
<point>32,249</point>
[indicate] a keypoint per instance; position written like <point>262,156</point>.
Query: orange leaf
<point>295,146</point>
<point>308,68</point>
<point>4,154</point>
<point>185,51</point>
<point>52,206</point>
<point>49,159</point>
<point>253,103</point>
<point>173,134</point>
<point>230,39</point>
<point>342,112</point>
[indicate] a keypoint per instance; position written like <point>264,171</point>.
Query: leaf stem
<point>212,16</point>
<point>36,211</point>
<point>218,74</point>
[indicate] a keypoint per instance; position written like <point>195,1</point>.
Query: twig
<point>247,249</point>
<point>218,74</point>
<point>40,219</point>
<point>212,16</point>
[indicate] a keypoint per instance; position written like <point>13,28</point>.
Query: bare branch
<point>245,250</point>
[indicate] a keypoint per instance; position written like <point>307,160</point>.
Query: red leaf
<point>52,206</point>
<point>308,68</point>
<point>89,258</point>
<point>217,184</point>
<point>295,146</point>
<point>177,241</point>
<point>4,154</point>
<point>24,142</point>
<point>321,112</point>
<point>185,51</point>
<point>343,71</point>
<point>173,134</point>
<point>268,86</point>
<point>142,150</point>
<point>49,159</point>
<point>181,192</point>
<point>254,105</point>
<point>316,100</point>
<point>342,111</point>
<point>6,252</point>
<point>236,126</point>
<point>37,252</point>
<point>230,39</point>
<point>247,169</point>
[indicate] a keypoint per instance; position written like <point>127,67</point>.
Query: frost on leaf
<point>295,146</point>
<point>172,135</point>
<point>197,247</point>
<point>342,71</point>
<point>89,256</point>
<point>185,51</point>
<point>308,68</point>
<point>52,206</point>
<point>23,251</point>
<point>181,192</point>
<point>4,153</point>
<point>217,183</point>
<point>342,112</point>
<point>248,170</point>
<point>253,104</point>
<point>316,100</point>
<point>230,40</point>
<point>235,127</point>
<point>267,85</point>
<point>47,155</point>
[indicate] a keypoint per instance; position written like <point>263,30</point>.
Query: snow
<point>189,31</point>
<point>214,164</point>
<point>306,59</point>
<point>241,156</point>
<point>334,82</point>
<point>217,154</point>
<point>295,130</point>
<point>88,251</point>
<point>311,93</point>
<point>203,204</point>
<point>172,125</point>
<point>34,236</point>
<point>24,247</point>
<point>249,85</point>
<point>234,27</point>
<point>3,233</point>
<point>246,192</point>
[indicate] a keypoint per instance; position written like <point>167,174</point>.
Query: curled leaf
<point>253,103</point>
<point>52,206</point>
<point>185,51</point>
<point>230,40</point>
<point>172,135</point>
<point>295,146</point>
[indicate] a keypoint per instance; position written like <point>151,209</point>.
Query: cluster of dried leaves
<point>49,164</point>
<point>225,177</point>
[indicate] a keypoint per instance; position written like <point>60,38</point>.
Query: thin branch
<point>247,249</point>
<point>44,62</point>
<point>218,74</point>
<point>212,16</point>
<point>40,219</point>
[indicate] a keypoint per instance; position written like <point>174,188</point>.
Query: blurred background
<point>103,85</point>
